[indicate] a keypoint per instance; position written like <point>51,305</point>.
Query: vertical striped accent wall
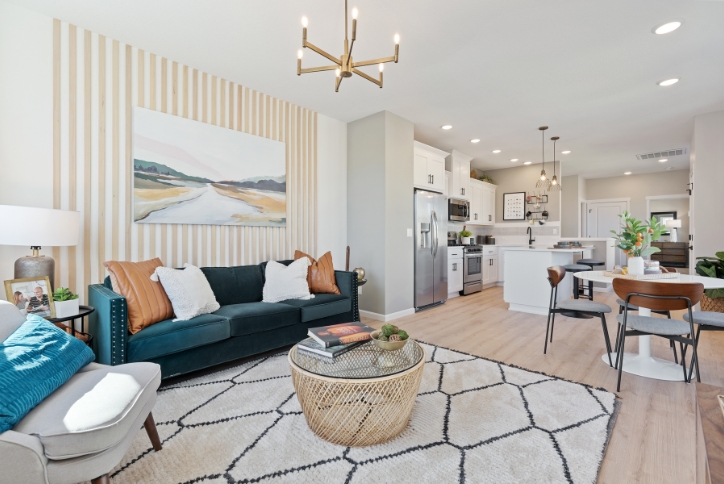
<point>96,83</point>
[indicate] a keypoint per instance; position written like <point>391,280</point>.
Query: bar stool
<point>591,263</point>
<point>573,268</point>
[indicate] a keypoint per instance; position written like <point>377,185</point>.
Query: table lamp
<point>35,228</point>
<point>673,224</point>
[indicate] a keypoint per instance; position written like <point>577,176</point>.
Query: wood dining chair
<point>585,306</point>
<point>657,296</point>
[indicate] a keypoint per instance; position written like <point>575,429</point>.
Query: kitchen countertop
<point>547,249</point>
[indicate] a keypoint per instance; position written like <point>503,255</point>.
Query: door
<point>476,207</point>
<point>421,175</point>
<point>602,218</point>
<point>473,268</point>
<point>455,275</point>
<point>488,205</point>
<point>464,169</point>
<point>493,277</point>
<point>436,169</point>
<point>439,216</point>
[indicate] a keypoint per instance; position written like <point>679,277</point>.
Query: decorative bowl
<point>387,345</point>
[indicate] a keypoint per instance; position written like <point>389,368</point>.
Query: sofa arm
<point>347,284</point>
<point>22,459</point>
<point>108,324</point>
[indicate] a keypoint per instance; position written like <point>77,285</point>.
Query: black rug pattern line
<point>475,420</point>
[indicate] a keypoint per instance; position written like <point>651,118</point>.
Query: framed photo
<point>514,206</point>
<point>32,295</point>
<point>662,217</point>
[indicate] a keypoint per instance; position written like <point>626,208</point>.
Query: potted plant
<point>713,299</point>
<point>66,303</point>
<point>465,235</point>
<point>635,240</point>
<point>486,179</point>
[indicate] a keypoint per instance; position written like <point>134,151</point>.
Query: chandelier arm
<point>337,82</point>
<point>322,53</point>
<point>318,69</point>
<point>369,78</point>
<point>351,46</point>
<point>372,62</point>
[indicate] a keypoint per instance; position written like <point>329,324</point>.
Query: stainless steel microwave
<point>458,210</point>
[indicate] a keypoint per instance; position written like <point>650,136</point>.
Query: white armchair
<point>81,431</point>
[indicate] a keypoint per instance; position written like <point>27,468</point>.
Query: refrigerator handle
<point>437,230</point>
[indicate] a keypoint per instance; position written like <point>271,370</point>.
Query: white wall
<point>332,189</point>
<point>26,117</point>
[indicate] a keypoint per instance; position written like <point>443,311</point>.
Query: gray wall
<point>571,206</point>
<point>523,179</point>
<point>707,163</point>
<point>380,209</point>
<point>637,188</point>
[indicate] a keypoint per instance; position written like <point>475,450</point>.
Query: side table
<point>82,313</point>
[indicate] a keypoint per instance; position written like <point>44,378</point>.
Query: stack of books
<point>334,340</point>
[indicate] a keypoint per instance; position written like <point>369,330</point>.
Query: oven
<point>472,270</point>
<point>458,210</point>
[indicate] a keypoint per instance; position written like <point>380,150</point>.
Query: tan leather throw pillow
<point>147,301</point>
<point>320,274</point>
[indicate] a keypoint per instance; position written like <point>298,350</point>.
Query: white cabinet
<point>488,210</point>
<point>454,270</point>
<point>482,205</point>
<point>501,265</point>
<point>458,164</point>
<point>448,186</point>
<point>490,265</point>
<point>429,168</point>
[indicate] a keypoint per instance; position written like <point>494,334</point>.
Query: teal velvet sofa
<point>243,326</point>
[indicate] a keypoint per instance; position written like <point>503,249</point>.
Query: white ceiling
<point>494,69</point>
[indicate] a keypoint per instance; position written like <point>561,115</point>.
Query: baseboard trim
<point>386,317</point>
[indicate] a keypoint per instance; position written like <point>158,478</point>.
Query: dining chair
<point>705,321</point>
<point>657,296</point>
<point>585,306</point>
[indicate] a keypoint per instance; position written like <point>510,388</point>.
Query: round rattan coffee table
<point>363,397</point>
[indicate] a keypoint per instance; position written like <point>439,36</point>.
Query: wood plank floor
<point>654,437</point>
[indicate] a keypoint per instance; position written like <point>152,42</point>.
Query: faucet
<point>530,235</point>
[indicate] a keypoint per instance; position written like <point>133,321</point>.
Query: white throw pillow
<point>286,282</point>
<point>10,319</point>
<point>188,290</point>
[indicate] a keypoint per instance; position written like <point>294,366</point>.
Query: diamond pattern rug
<point>475,420</point>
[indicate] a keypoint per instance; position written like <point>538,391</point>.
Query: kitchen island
<point>526,288</point>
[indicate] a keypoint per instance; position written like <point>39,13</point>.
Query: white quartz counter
<point>548,249</point>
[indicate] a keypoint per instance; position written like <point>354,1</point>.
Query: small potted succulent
<point>465,235</point>
<point>635,240</point>
<point>713,299</point>
<point>390,337</point>
<point>66,303</point>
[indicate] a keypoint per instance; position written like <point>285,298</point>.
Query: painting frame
<point>514,206</point>
<point>14,285</point>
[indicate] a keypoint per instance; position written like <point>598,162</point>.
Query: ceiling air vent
<point>661,154</point>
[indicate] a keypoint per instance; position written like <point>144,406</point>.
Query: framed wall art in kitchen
<point>514,206</point>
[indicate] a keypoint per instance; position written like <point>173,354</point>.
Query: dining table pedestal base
<point>648,366</point>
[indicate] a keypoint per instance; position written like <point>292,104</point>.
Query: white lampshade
<point>38,227</point>
<point>673,224</point>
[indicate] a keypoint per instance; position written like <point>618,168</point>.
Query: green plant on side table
<point>66,302</point>
<point>635,240</point>
<point>713,299</point>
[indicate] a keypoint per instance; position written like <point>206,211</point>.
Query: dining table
<point>643,364</point>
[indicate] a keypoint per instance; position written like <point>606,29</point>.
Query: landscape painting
<point>188,172</point>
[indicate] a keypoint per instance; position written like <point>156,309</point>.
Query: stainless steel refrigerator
<point>430,249</point>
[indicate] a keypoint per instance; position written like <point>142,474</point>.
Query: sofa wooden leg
<point>104,479</point>
<point>150,427</point>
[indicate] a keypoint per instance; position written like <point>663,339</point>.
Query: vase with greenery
<point>713,299</point>
<point>486,179</point>
<point>465,235</point>
<point>635,240</point>
<point>65,302</point>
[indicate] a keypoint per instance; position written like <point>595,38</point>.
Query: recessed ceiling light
<point>566,152</point>
<point>663,160</point>
<point>527,162</point>
<point>668,82</point>
<point>627,173</point>
<point>446,126</point>
<point>476,140</point>
<point>667,28</point>
<point>514,160</point>
<point>496,151</point>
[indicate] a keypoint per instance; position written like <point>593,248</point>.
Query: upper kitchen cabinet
<point>429,171</point>
<point>458,164</point>
<point>482,206</point>
<point>488,203</point>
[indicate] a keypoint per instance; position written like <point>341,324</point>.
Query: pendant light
<point>543,182</point>
<point>555,185</point>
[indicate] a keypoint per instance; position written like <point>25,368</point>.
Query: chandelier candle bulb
<point>305,21</point>
<point>382,67</point>
<point>355,12</point>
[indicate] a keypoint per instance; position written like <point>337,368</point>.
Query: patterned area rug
<point>475,420</point>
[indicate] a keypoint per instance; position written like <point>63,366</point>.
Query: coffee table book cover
<point>312,346</point>
<point>340,334</point>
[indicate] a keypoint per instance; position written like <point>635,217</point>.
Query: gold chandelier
<point>344,66</point>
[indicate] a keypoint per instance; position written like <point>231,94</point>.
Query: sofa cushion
<point>93,411</point>
<point>171,336</point>
<point>146,300</point>
<point>10,319</point>
<point>321,306</point>
<point>235,285</point>
<point>250,318</point>
<point>320,274</point>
